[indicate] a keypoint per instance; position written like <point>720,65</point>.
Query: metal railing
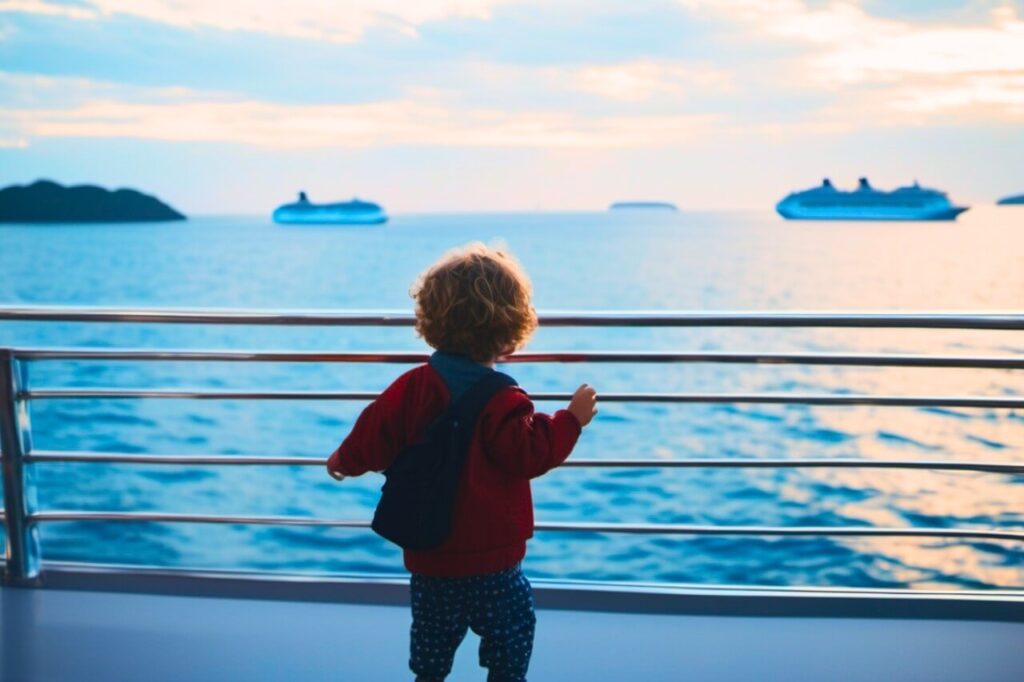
<point>21,518</point>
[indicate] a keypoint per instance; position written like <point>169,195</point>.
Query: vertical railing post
<point>22,538</point>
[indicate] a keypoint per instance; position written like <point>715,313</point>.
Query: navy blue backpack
<point>418,497</point>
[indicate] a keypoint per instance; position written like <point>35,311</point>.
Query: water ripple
<point>753,262</point>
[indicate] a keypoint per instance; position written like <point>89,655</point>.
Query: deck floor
<point>71,636</point>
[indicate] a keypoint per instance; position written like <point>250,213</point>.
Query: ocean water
<point>578,261</point>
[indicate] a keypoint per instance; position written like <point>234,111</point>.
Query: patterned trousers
<point>497,606</point>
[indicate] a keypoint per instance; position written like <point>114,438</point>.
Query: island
<point>1017,200</point>
<point>644,205</point>
<point>45,201</point>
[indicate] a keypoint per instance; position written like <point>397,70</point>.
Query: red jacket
<point>493,514</point>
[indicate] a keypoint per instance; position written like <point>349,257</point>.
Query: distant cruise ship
<point>867,203</point>
<point>353,212</point>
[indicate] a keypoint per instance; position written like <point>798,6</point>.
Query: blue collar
<point>458,371</point>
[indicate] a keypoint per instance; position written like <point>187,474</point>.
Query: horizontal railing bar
<point>396,357</point>
<point>844,531</point>
<point>580,527</point>
<point>198,460</point>
<point>578,462</point>
<point>732,398</point>
<point>923,320</point>
<point>400,357</point>
<point>808,463</point>
<point>50,516</point>
<point>209,316</point>
<point>197,394</point>
<point>53,567</point>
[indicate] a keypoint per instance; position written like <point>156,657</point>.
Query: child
<point>473,306</point>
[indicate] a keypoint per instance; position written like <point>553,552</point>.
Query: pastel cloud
<point>922,67</point>
<point>836,22</point>
<point>979,98</point>
<point>796,86</point>
<point>47,9</point>
<point>342,21</point>
<point>640,80</point>
<point>421,118</point>
<point>941,50</point>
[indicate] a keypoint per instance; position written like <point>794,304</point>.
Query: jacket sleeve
<point>377,436</point>
<point>528,444</point>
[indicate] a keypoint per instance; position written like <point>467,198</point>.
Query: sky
<point>232,106</point>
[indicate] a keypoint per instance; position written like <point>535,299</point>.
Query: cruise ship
<point>867,203</point>
<point>355,212</point>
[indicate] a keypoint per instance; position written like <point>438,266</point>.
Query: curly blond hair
<point>475,301</point>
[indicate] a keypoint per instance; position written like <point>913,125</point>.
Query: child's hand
<point>584,404</point>
<point>334,466</point>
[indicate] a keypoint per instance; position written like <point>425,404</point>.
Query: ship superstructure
<point>825,202</point>
<point>305,212</point>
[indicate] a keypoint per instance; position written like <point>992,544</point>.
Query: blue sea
<point>578,261</point>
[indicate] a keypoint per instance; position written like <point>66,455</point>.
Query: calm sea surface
<point>578,261</point>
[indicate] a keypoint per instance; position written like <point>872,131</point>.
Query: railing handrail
<point>1007,320</point>
<point>575,462</point>
<point>22,521</point>
<point>571,527</point>
<point>526,357</point>
<point>837,399</point>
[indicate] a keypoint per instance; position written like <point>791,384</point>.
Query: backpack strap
<point>467,409</point>
<point>418,497</point>
<point>464,413</point>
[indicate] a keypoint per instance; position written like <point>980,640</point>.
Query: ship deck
<point>58,635</point>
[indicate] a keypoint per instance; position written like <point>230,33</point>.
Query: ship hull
<point>328,216</point>
<point>791,212</point>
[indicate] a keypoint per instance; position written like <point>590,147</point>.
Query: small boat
<point>643,205</point>
<point>355,212</point>
<point>825,202</point>
<point>1017,200</point>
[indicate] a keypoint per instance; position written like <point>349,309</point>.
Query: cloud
<point>422,117</point>
<point>645,86</point>
<point>824,24</point>
<point>938,50</point>
<point>898,66</point>
<point>840,69</point>
<point>343,21</point>
<point>27,90</point>
<point>640,80</point>
<point>47,8</point>
<point>854,45</point>
<point>980,97</point>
